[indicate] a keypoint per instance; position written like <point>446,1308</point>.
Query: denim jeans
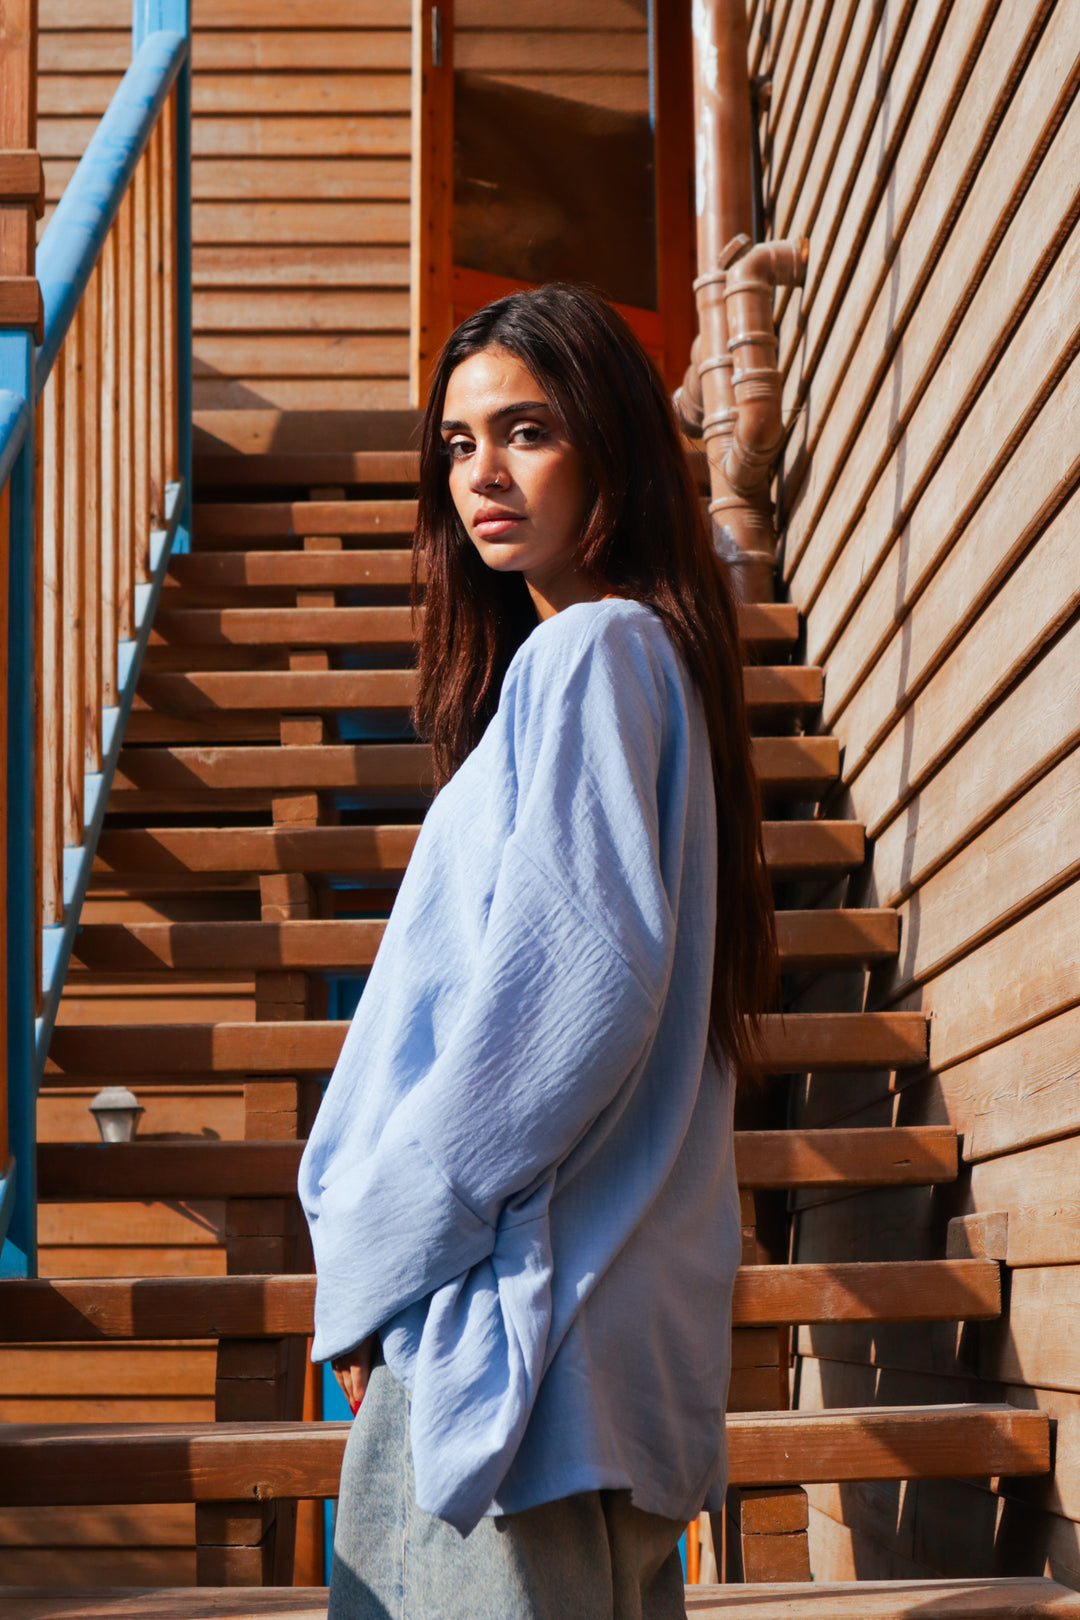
<point>592,1556</point>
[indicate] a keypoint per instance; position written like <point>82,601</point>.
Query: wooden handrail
<point>93,498</point>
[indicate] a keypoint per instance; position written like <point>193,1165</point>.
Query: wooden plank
<point>92,524</point>
<point>935,429</point>
<point>337,395</point>
<point>306,265</point>
<point>306,570</point>
<point>1002,1598</point>
<point>73,588</point>
<point>297,135</point>
<point>889,1291</point>
<point>308,179</point>
<point>309,691</point>
<point>62,1465</point>
<point>784,764</point>
<point>1033,485</point>
<point>1037,724</point>
<point>290,626</point>
<point>254,519</point>
<point>60,1311</point>
<point>262,49</point>
<point>1020,1092</point>
<point>795,1043</point>
<point>900,1156</point>
<point>1026,853</point>
<point>1039,597</point>
<point>285,220</point>
<point>297,354</point>
<point>965,98</point>
<point>363,767</point>
<point>767,691</point>
<point>792,848</point>
<point>313,467</point>
<point>319,309</point>
<point>835,938</point>
<point>432,190</point>
<point>218,94</point>
<point>1017,979</point>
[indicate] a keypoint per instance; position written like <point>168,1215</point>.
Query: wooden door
<point>545,148</point>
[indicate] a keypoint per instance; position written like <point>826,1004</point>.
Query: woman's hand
<point>352,1371</point>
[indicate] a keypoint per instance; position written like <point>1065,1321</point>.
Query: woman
<point>520,1185</point>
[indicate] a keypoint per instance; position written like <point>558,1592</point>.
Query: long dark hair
<point>645,538</point>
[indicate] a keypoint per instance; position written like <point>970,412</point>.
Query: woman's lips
<point>494,524</point>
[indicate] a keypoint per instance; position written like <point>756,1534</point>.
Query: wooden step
<point>152,777</point>
<point>244,520</point>
<point>909,1155</point>
<point>762,626</point>
<point>82,1309</point>
<point>769,690</point>
<point>308,468</point>
<point>820,939</point>
<point>792,849</point>
<point>1024,1597</point>
<point>44,1464</point>
<point>306,570</point>
<point>806,938</point>
<point>794,1044</point>
<point>292,627</point>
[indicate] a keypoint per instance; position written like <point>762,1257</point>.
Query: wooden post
<point>672,65</point>
<point>73,691</point>
<point>140,354</point>
<point>432,233</point>
<point>22,201</point>
<point>91,458</point>
<point>110,483</point>
<point>50,744</point>
<point>125,422</point>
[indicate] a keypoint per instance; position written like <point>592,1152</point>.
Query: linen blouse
<point>522,1173</point>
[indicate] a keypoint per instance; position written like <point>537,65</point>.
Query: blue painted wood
<point>72,243</point>
<point>66,257</point>
<point>18,1196</point>
<point>57,941</point>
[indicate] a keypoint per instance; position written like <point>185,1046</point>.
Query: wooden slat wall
<point>931,515</point>
<point>300,182</point>
<point>597,54</point>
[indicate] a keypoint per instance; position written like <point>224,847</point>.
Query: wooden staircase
<point>264,808</point>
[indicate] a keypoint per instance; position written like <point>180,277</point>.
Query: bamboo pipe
<point>731,392</point>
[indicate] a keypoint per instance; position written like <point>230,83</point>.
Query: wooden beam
<point>67,1464</point>
<point>305,468</point>
<point>1024,1597</point>
<point>102,1308</point>
<point>805,765</point>
<point>792,848</point>
<point>890,1156</point>
<point>768,690</point>
<point>254,519</point>
<point>795,1044</point>
<point>432,191</point>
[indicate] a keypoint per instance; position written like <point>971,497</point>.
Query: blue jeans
<point>592,1556</point>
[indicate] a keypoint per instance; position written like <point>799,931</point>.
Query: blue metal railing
<point>66,258</point>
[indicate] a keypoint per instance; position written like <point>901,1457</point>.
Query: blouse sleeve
<point>560,1010</point>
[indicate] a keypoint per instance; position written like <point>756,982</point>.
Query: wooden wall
<point>932,538</point>
<point>598,54</point>
<point>301,188</point>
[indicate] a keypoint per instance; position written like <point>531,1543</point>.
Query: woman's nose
<point>486,472</point>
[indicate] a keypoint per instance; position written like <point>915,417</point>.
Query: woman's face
<point>518,483</point>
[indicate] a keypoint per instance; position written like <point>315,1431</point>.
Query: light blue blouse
<point>522,1172</point>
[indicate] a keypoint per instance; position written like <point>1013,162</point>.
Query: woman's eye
<point>458,449</point>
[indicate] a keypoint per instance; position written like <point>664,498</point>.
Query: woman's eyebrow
<point>517,409</point>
